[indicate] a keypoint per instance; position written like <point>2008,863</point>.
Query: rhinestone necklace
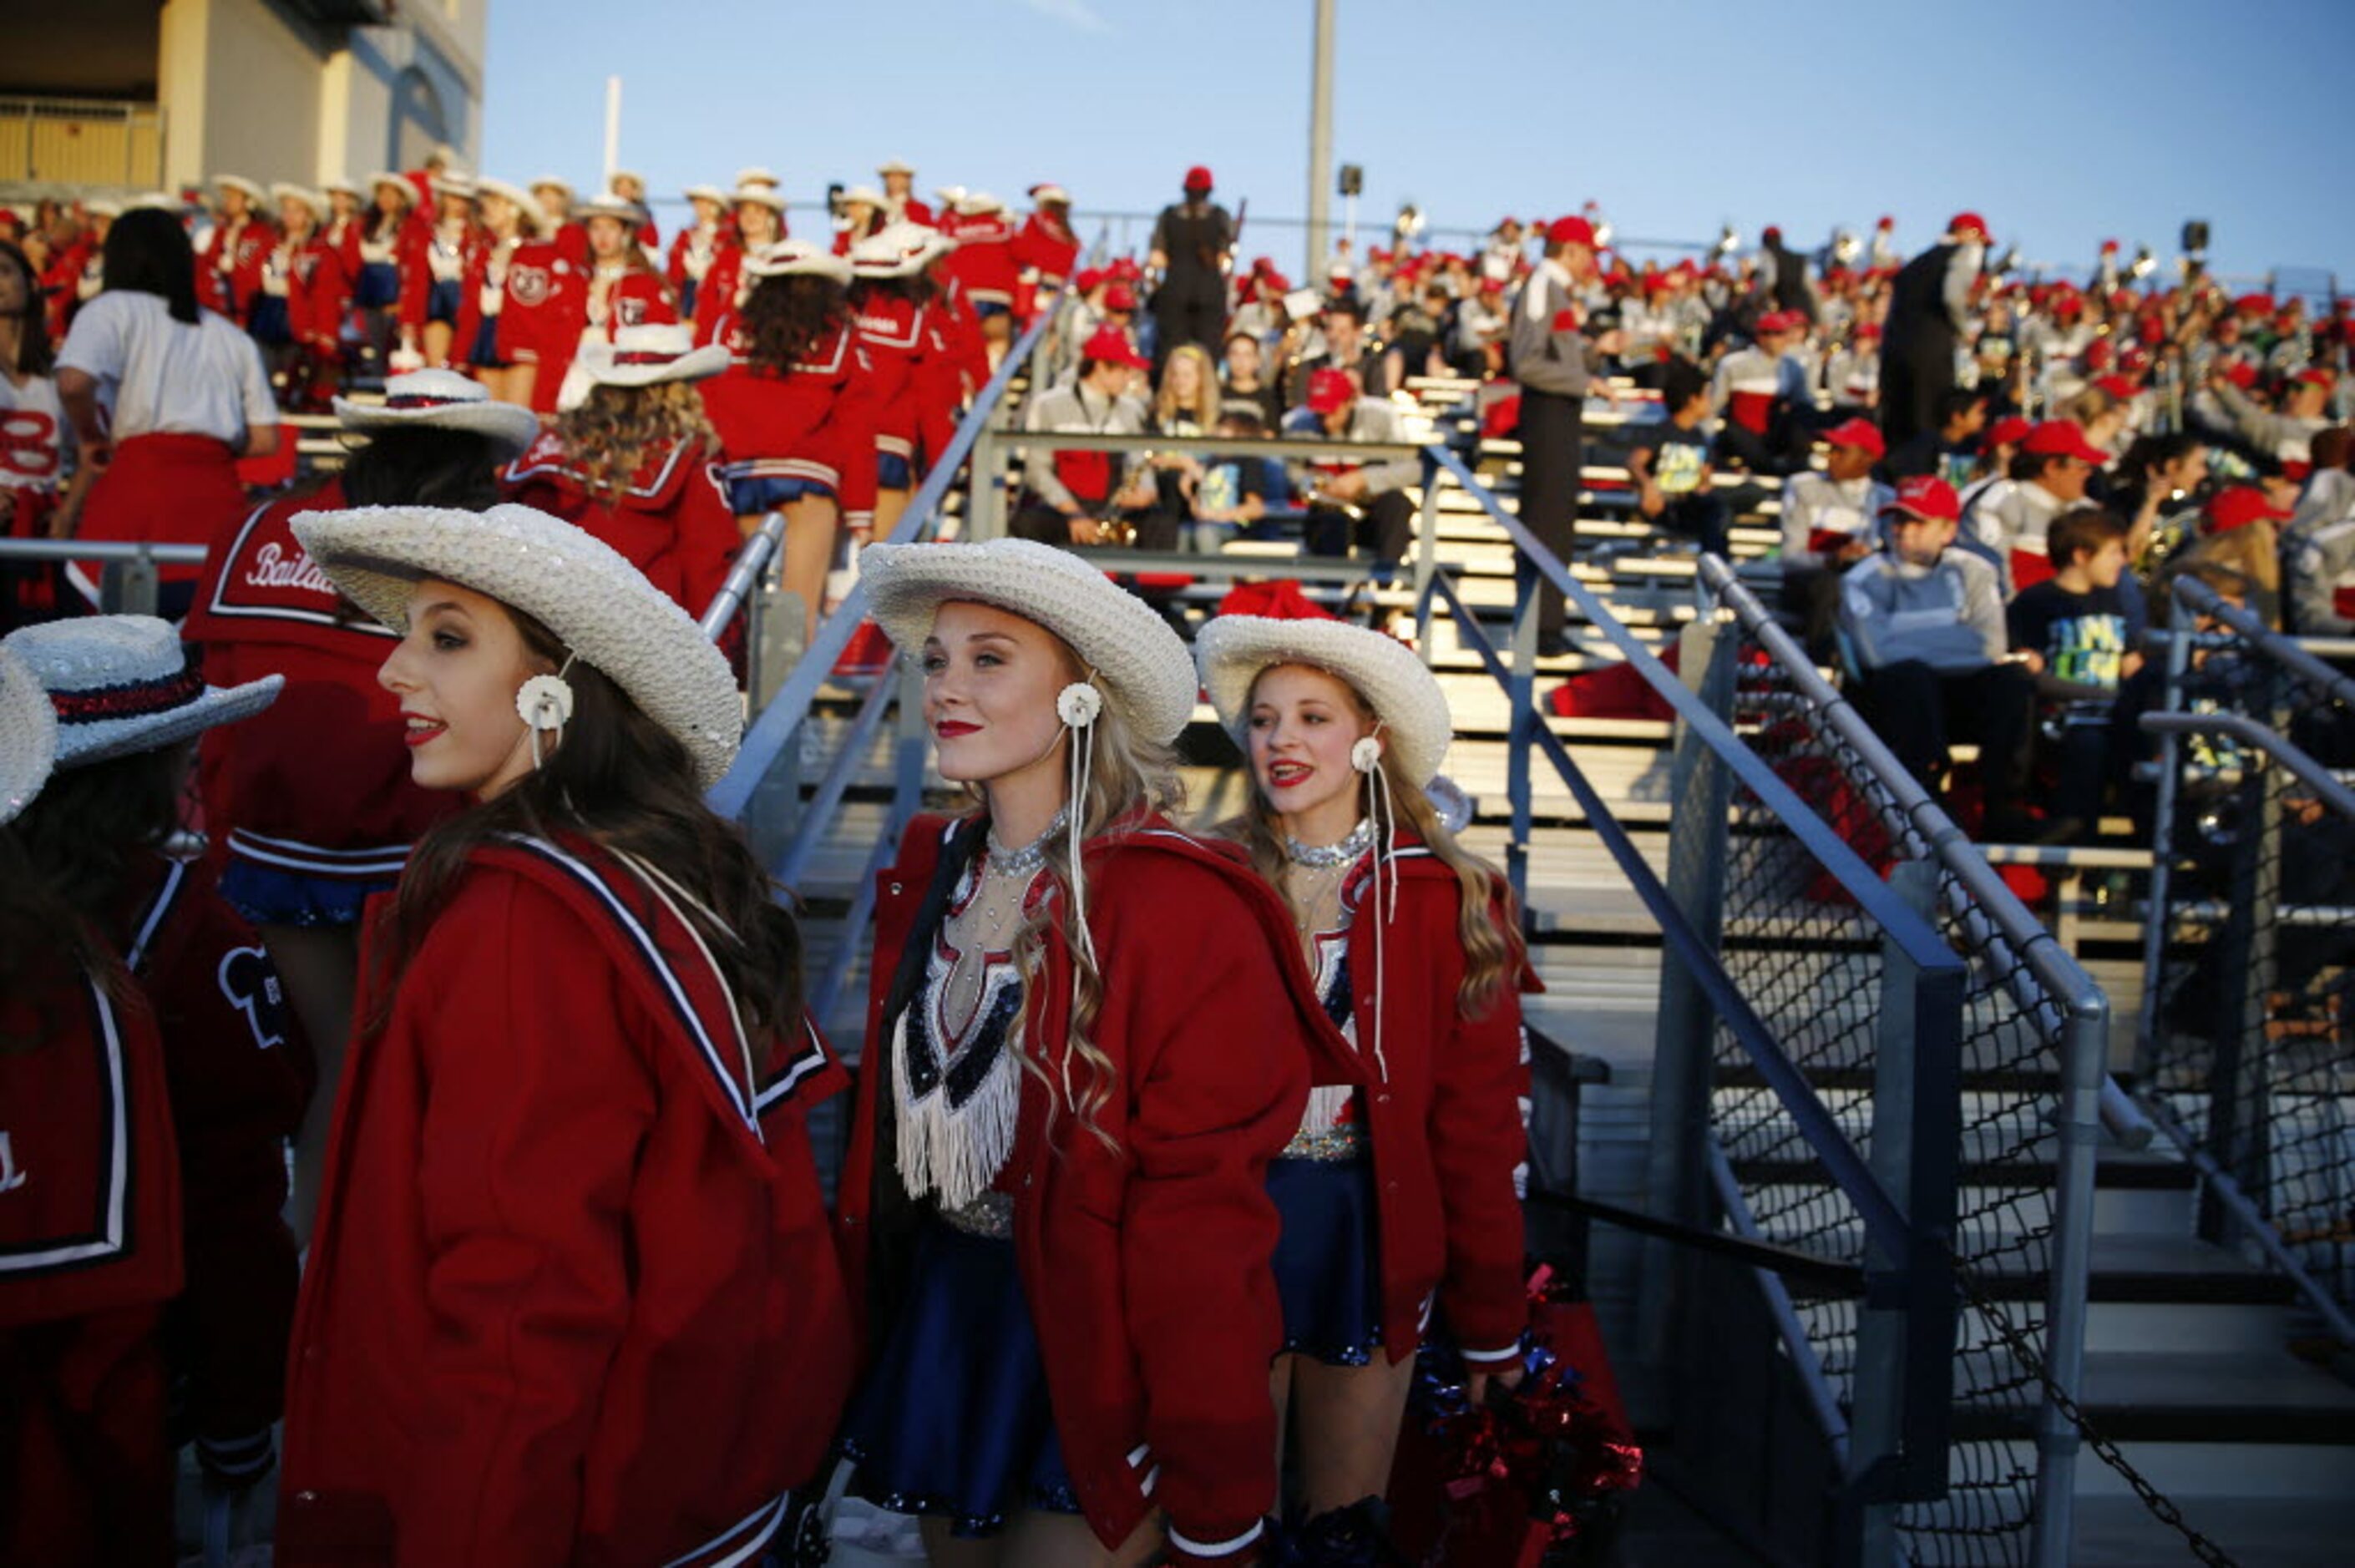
<point>1024,861</point>
<point>1346,852</point>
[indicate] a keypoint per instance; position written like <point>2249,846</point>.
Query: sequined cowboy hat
<point>1139,662</point>
<point>443,400</point>
<point>1233,648</point>
<point>895,250</point>
<point>285,190</point>
<point>787,258</point>
<point>252,188</point>
<point>28,733</point>
<point>528,211</point>
<point>123,684</point>
<point>643,355</point>
<point>596,603</point>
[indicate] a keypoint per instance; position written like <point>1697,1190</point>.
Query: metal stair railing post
<point>1520,695</point>
<point>130,582</point>
<point>1426,557</point>
<point>1676,1163</point>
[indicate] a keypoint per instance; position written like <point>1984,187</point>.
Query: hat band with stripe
<point>131,699</point>
<point>643,356</point>
<point>429,400</point>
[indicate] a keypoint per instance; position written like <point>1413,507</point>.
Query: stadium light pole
<point>1320,139</point>
<point>612,128</point>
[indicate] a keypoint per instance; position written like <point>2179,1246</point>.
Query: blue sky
<point>2064,124</point>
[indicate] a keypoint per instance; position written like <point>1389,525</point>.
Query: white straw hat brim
<point>695,365</point>
<point>510,425</point>
<point>28,736</point>
<point>601,607</point>
<point>102,740</point>
<point>1137,657</point>
<point>1233,648</point>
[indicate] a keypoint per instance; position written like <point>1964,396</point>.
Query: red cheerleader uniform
<point>672,522</point>
<point>983,261</point>
<point>1147,1269</point>
<point>239,1078</point>
<point>433,280</point>
<point>721,293</point>
<point>814,425</point>
<point>892,333</point>
<point>954,366</point>
<point>229,273</point>
<point>1047,249</point>
<point>311,797</point>
<point>693,250</point>
<point>571,1298</point>
<point>90,1252</point>
<point>539,319</point>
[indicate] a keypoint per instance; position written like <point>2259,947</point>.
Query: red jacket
<point>416,275</point>
<point>816,422</point>
<point>954,367</point>
<point>892,332</point>
<point>1444,1121</point>
<point>319,291</point>
<point>984,258</point>
<point>1045,252</point>
<point>570,1299</point>
<point>714,297</point>
<point>672,522</point>
<point>539,319</point>
<point>318,782</point>
<point>1148,1270</point>
<point>239,1078</point>
<point>229,273</point>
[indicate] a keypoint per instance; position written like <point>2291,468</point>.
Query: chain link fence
<point>1793,943</point>
<point>2248,1053</point>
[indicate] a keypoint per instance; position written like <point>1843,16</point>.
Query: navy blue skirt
<point>688,288</point>
<point>267,320</point>
<point>954,1419</point>
<point>277,895</point>
<point>1329,1261</point>
<point>485,353</point>
<point>380,285</point>
<point>752,497</point>
<point>892,472</point>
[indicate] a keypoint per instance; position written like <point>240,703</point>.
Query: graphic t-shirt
<point>2082,636</point>
<point>1678,456</point>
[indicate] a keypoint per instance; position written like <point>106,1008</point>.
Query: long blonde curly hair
<point>1492,947</point>
<point>617,431</point>
<point>1129,777</point>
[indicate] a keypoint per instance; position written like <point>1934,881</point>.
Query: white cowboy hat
<point>1233,648</point>
<point>553,182</point>
<point>398,182</point>
<point>252,188</point>
<point>453,183</point>
<point>865,195</point>
<point>754,176</point>
<point>767,196</point>
<point>788,257</point>
<point>102,206</point>
<point>621,210</point>
<point>625,175</point>
<point>28,733</point>
<point>1050,191</point>
<point>123,684</point>
<point>896,166</point>
<point>895,250</point>
<point>948,195</point>
<point>1136,657</point>
<point>528,210</point>
<point>316,201</point>
<point>706,193</point>
<point>643,356</point>
<point>979,201</point>
<point>440,399</point>
<point>601,607</point>
<point>350,188</point>
<point>156,201</point>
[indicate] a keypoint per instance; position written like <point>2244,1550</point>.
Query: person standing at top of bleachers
<point>1551,354</point>
<point>1929,313</point>
<point>163,398</point>
<point>1192,240</point>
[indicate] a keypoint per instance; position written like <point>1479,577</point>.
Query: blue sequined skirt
<point>443,299</point>
<point>1329,1261</point>
<point>276,895</point>
<point>954,1418</point>
<point>380,285</point>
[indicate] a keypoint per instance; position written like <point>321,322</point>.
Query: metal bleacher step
<point>2141,1397</point>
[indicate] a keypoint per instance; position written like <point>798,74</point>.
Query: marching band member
<point>229,270</point>
<point>760,222</point>
<point>432,294</point>
<point>629,464</point>
<point>130,706</point>
<point>1090,1038</point>
<point>795,412</point>
<point>185,394</point>
<point>901,203</point>
<point>1401,1195</point>
<point>571,1298</point>
<point>313,802</point>
<point>698,244</point>
<point>511,220</point>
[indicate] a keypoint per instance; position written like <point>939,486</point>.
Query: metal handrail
<point>2323,781</point>
<point>750,563</point>
<point>782,719</point>
<point>2282,650</point>
<point>104,550</point>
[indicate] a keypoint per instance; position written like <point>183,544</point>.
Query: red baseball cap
<point>1120,297</point>
<point>2063,437</point>
<point>1197,178</point>
<point>1572,230</point>
<point>1928,497</point>
<point>1089,280</point>
<point>1859,433</point>
<point>2009,430</point>
<point>1781,321</point>
<point>2254,304</point>
<point>1968,223</point>
<point>2315,375</point>
<point>1110,346</point>
<point>1867,331</point>
<point>1330,389</point>
<point>2241,373</point>
<point>2239,505</point>
<point>2122,388</point>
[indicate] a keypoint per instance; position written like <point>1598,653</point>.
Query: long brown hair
<point>617,431</point>
<point>1492,947</point>
<point>34,354</point>
<point>624,781</point>
<point>1129,777</point>
<point>787,318</point>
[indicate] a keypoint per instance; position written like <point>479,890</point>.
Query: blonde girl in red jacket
<point>1400,1199</point>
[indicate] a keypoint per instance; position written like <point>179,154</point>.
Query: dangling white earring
<point>544,702</point>
<point>1077,704</point>
<point>1367,755</point>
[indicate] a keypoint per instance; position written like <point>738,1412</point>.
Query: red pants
<point>85,1474</point>
<point>176,489</point>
